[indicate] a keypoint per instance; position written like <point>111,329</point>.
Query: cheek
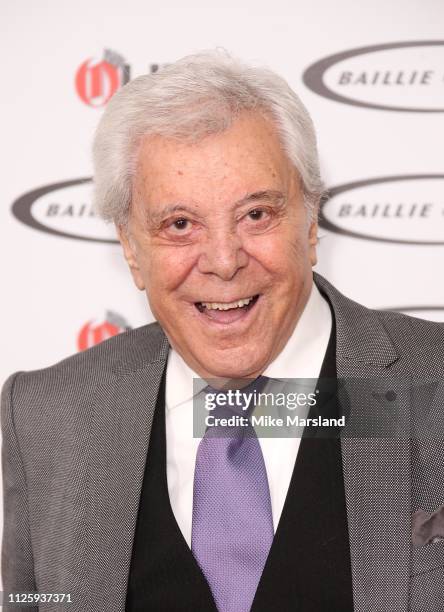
<point>168,267</point>
<point>281,255</point>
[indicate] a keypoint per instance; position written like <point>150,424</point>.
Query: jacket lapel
<point>375,454</point>
<point>123,415</point>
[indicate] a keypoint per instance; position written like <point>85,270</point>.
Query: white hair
<point>196,96</point>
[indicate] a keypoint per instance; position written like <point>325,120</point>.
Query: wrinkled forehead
<point>247,157</point>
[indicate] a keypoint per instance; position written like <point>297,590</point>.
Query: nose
<point>222,254</point>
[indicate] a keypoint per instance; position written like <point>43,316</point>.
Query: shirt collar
<point>301,357</point>
<point>182,387</point>
<point>304,352</point>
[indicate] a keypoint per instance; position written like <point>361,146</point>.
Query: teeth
<point>222,306</point>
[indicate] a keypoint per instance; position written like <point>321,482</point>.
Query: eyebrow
<point>267,195</point>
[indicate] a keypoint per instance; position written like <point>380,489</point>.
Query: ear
<point>130,253</point>
<point>313,241</point>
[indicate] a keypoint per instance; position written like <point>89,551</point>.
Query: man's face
<point>213,223</point>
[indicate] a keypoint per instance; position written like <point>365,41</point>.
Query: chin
<point>233,366</point>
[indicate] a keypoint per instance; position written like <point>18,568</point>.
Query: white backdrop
<point>379,121</point>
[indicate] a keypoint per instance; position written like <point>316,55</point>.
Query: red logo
<point>97,80</point>
<point>94,332</point>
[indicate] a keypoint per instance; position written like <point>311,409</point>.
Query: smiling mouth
<point>244,303</point>
<point>227,312</point>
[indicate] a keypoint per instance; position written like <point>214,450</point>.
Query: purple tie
<point>232,527</point>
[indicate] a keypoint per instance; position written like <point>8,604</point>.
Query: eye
<point>256,214</point>
<point>259,219</point>
<point>180,224</point>
<point>259,215</point>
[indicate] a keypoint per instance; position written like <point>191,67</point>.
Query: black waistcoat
<point>308,568</point>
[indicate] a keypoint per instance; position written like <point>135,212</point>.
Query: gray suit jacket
<point>75,438</point>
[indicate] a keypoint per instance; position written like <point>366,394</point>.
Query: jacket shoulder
<point>131,346</point>
<point>75,378</point>
<point>380,336</point>
<point>405,330</point>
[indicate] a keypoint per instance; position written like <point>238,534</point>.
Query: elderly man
<point>209,170</point>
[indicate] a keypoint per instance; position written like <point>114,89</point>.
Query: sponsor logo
<point>98,79</point>
<point>399,209</point>
<point>64,209</point>
<point>432,313</point>
<point>403,76</point>
<point>96,331</point>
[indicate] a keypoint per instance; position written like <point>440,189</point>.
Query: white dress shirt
<point>301,357</point>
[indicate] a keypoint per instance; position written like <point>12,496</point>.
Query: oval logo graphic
<point>398,209</point>
<point>64,209</point>
<point>403,76</point>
